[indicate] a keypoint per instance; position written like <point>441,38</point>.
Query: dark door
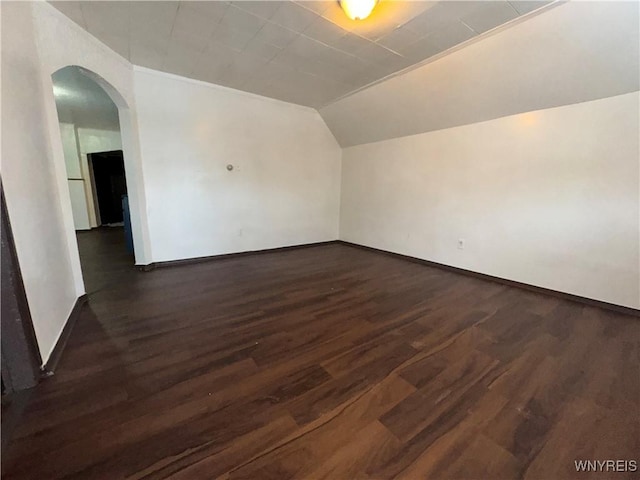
<point>108,173</point>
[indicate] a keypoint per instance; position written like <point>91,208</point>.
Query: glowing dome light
<point>358,9</point>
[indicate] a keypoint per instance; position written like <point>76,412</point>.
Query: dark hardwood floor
<point>327,362</point>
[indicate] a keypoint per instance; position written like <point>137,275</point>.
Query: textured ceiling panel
<point>305,52</point>
<point>81,101</point>
<point>573,52</point>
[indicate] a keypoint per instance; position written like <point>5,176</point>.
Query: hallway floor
<point>327,362</point>
<point>104,257</point>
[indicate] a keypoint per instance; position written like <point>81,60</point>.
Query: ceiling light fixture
<point>358,9</point>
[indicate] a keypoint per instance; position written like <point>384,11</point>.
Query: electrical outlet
<point>461,244</point>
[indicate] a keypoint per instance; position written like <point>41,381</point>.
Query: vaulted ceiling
<point>571,52</point>
<point>305,52</point>
<point>81,101</point>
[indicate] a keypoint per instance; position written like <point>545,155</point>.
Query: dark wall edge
<point>189,261</point>
<point>49,367</point>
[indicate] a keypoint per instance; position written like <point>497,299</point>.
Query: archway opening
<point>95,167</point>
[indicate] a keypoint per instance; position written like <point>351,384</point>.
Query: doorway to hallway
<point>95,166</point>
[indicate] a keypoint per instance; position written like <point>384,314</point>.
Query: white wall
<point>75,180</point>
<point>550,198</point>
<point>469,146</point>
<point>79,205</point>
<point>37,40</point>
<point>92,140</point>
<point>29,180</point>
<point>70,149</point>
<point>285,186</point>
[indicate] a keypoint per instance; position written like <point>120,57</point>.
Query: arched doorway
<point>95,159</point>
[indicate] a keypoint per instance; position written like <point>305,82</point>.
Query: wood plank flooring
<point>328,362</point>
